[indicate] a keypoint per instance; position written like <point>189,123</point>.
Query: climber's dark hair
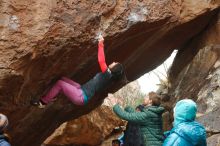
<point>117,71</point>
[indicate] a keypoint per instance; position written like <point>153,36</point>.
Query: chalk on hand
<point>98,37</point>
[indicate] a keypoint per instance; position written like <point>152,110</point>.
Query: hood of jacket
<point>184,111</point>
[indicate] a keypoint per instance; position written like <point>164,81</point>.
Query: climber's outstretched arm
<point>101,55</point>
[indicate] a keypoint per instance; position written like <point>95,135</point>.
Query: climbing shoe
<point>38,103</point>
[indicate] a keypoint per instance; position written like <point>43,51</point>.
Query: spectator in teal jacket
<point>186,131</point>
<point>149,119</point>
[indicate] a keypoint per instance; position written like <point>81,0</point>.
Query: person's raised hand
<point>120,101</point>
<point>100,38</point>
<point>113,101</point>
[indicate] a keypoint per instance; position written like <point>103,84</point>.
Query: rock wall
<point>42,40</point>
<point>195,74</point>
<point>91,129</point>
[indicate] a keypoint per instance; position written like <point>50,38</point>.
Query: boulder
<point>214,140</point>
<point>42,40</point>
<point>91,129</point>
<point>195,74</point>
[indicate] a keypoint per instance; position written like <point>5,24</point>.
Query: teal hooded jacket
<point>186,131</point>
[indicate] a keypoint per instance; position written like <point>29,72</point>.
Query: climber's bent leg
<point>72,92</point>
<point>67,80</point>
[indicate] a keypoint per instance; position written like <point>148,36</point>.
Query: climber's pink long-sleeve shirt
<point>101,57</point>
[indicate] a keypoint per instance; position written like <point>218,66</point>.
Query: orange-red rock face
<point>43,40</point>
<point>90,129</point>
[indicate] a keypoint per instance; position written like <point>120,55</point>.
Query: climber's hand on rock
<point>100,38</point>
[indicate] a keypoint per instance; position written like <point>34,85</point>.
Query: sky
<point>149,81</point>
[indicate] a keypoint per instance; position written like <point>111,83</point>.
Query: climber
<point>78,94</point>
<point>186,131</point>
<point>149,119</point>
<point>4,138</point>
